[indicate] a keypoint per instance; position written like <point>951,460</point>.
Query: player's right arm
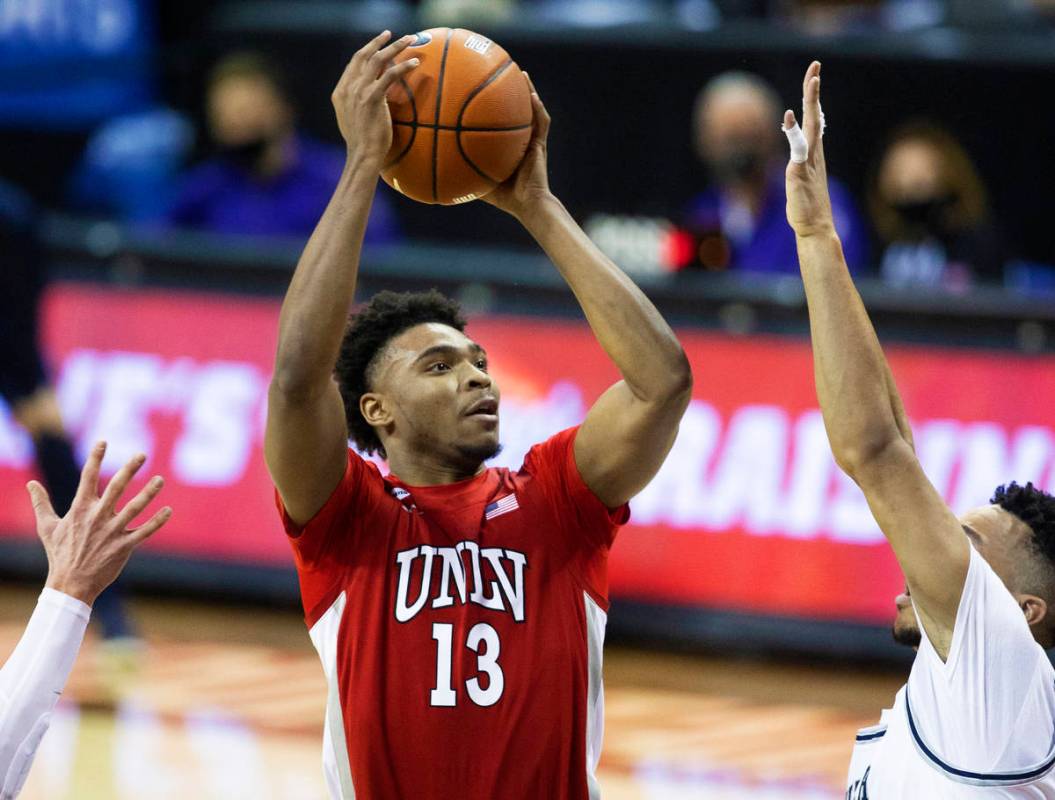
<point>863,415</point>
<point>306,441</point>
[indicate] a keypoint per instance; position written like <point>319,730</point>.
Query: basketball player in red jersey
<point>458,611</point>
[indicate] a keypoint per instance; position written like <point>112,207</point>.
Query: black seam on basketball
<point>483,85</point>
<point>461,115</point>
<point>413,125</point>
<point>436,134</point>
<point>464,128</point>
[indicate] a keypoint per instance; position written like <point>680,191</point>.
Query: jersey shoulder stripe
<point>872,734</point>
<point>1017,777</point>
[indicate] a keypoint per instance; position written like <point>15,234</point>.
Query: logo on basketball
<point>478,43</point>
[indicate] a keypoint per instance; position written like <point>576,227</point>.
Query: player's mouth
<point>485,409</point>
<point>903,600</point>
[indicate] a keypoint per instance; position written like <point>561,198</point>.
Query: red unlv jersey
<point>460,628</point>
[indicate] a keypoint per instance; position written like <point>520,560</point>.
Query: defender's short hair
<point>1036,509</point>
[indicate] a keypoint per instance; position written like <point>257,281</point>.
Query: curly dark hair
<point>1036,508</point>
<point>386,316</point>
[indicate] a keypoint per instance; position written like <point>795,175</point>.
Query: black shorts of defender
<point>21,367</point>
<point>21,282</point>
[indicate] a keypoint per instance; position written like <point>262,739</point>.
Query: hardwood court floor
<point>226,704</point>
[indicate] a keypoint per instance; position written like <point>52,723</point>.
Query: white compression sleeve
<point>32,680</point>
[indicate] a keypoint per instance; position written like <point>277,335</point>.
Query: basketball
<point>461,121</point>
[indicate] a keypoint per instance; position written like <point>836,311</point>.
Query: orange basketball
<point>461,121</point>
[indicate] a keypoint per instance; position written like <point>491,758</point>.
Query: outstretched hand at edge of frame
<point>88,548</point>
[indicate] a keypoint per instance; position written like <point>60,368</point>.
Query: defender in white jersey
<point>86,549</point>
<point>977,715</point>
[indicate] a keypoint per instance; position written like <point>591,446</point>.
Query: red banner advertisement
<point>749,513</point>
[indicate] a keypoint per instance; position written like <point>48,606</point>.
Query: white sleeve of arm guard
<point>33,679</point>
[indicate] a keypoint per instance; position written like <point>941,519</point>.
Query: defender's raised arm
<point>306,441</point>
<point>863,415</point>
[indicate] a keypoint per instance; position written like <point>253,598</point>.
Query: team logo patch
<point>403,496</point>
<point>502,506</point>
<point>478,43</point>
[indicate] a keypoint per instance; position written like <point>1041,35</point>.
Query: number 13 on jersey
<point>482,640</point>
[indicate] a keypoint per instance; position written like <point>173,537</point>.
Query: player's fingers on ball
<point>134,507</point>
<point>88,488</point>
<point>395,73</point>
<point>119,482</point>
<point>371,47</point>
<point>386,54</point>
<point>540,117</point>
<point>150,527</point>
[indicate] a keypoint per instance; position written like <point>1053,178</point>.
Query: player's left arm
<point>631,428</point>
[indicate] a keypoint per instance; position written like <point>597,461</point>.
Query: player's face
<point>996,535</point>
<point>442,399</point>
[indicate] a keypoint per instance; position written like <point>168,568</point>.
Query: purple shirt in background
<point>767,243</point>
<point>222,197</point>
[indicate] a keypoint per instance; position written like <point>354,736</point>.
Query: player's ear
<point>374,408</point>
<point>1035,608</point>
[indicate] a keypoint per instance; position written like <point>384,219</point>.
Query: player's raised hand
<point>529,185</point>
<point>809,207</point>
<point>88,548</point>
<point>359,98</point>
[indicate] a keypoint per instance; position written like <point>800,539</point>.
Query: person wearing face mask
<point>739,220</point>
<point>265,177</point>
<point>929,207</point>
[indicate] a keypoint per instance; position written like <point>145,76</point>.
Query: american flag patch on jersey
<point>500,507</point>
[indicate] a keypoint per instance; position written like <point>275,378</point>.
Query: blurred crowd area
<point>214,117</point>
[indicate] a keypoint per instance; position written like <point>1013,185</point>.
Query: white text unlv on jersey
<point>492,578</point>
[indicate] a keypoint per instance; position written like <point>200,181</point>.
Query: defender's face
<point>439,393</point>
<point>997,536</point>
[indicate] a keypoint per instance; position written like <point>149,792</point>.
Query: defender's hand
<point>529,185</point>
<point>88,548</point>
<point>809,207</point>
<point>359,99</point>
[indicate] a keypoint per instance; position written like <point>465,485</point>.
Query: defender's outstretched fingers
<point>42,508</point>
<point>393,74</point>
<point>134,507</point>
<point>119,482</point>
<point>88,488</point>
<point>150,527</point>
<point>812,116</point>
<point>800,149</point>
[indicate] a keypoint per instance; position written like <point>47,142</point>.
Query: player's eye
<point>439,366</point>
<point>481,364</point>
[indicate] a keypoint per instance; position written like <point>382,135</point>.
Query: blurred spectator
<point>843,16</point>
<point>267,178</point>
<point>131,165</point>
<point>740,219</point>
<point>929,207</point>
